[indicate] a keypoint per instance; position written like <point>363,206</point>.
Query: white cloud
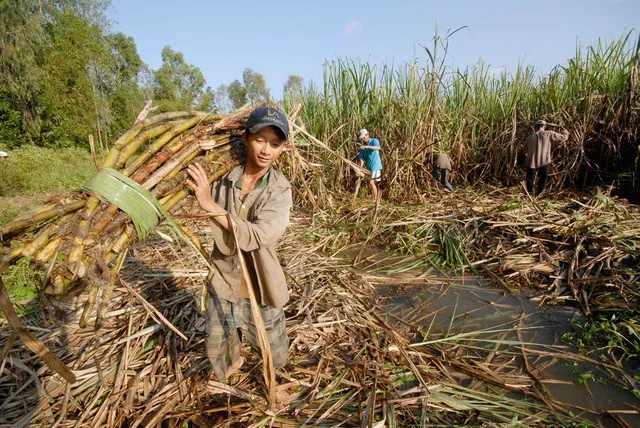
<point>352,27</point>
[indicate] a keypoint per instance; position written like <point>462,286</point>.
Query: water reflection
<point>469,311</point>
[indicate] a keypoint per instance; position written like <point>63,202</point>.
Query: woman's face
<point>264,147</point>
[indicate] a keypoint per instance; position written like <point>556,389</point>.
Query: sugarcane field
<point>397,244</point>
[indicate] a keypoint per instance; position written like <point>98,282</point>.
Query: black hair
<point>238,147</point>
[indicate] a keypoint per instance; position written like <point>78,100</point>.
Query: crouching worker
<point>442,167</point>
<point>256,199</point>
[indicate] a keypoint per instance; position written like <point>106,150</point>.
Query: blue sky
<point>278,38</point>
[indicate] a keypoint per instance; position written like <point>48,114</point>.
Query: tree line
<point>64,75</point>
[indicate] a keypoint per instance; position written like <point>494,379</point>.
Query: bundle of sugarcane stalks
<point>81,239</point>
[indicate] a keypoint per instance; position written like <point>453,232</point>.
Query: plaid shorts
<point>224,318</point>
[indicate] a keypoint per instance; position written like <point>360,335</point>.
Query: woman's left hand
<point>202,189</point>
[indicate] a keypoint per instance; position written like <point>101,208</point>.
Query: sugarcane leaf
<point>143,208</point>
<point>126,198</point>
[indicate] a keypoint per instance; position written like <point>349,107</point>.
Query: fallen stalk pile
<point>144,363</point>
<point>578,249</point>
<point>574,250</point>
<point>348,364</point>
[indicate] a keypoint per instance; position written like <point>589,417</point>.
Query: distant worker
<point>3,156</point>
<point>538,159</point>
<point>442,167</point>
<point>370,157</point>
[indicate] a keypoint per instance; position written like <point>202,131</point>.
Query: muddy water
<point>470,304</point>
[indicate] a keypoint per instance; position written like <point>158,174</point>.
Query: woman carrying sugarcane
<point>253,200</point>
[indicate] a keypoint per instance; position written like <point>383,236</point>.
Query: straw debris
<point>352,361</point>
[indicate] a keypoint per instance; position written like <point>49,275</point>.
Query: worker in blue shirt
<point>370,158</point>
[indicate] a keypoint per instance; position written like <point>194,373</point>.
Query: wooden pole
<point>92,147</point>
<point>269,372</point>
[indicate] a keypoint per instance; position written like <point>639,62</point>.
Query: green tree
<point>221,99</point>
<point>52,59</point>
<point>207,100</point>
<point>126,60</point>
<point>293,86</point>
<point>10,126</point>
<point>237,94</point>
<point>73,104</point>
<point>178,85</point>
<point>126,95</point>
<point>22,42</point>
<point>255,87</point>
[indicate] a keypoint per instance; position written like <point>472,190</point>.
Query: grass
<point>611,335</point>
<point>22,281</point>
<point>33,171</point>
<point>23,284</point>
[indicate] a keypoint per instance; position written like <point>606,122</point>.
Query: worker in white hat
<point>370,158</point>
